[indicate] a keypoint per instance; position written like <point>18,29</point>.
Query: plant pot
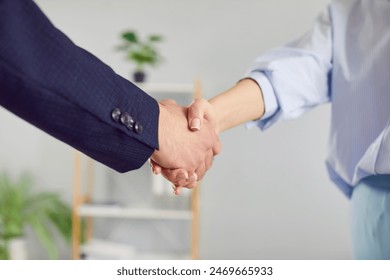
<point>17,249</point>
<point>139,77</point>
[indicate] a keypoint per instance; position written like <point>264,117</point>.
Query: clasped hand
<point>188,142</point>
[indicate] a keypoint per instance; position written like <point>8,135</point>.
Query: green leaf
<point>130,36</point>
<point>45,237</point>
<point>155,38</point>
<point>61,218</point>
<point>122,48</point>
<point>3,251</point>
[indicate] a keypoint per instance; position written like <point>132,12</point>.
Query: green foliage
<point>3,251</point>
<point>140,52</point>
<point>20,207</point>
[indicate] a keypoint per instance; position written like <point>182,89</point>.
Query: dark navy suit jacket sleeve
<point>67,92</point>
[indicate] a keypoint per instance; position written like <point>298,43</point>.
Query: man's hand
<point>191,151</point>
<point>200,114</point>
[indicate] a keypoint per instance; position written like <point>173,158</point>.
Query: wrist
<point>239,104</point>
<point>217,115</point>
<point>162,116</point>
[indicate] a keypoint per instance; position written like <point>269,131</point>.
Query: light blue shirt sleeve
<point>269,98</point>
<point>295,78</point>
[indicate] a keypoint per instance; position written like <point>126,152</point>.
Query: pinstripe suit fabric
<point>67,92</point>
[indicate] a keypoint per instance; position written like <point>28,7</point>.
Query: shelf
<point>96,249</point>
<point>89,210</point>
<point>153,88</point>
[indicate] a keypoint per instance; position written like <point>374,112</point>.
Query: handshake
<point>188,137</point>
<point>188,142</point>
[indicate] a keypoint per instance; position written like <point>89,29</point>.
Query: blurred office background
<point>268,195</point>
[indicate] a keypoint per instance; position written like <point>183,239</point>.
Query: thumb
<point>198,110</point>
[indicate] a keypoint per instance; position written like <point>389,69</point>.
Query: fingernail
<point>182,176</point>
<point>177,191</point>
<point>193,178</point>
<point>195,123</point>
<point>156,170</point>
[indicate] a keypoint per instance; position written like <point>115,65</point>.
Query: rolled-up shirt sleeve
<point>295,78</point>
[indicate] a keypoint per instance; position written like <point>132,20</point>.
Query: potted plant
<point>141,53</point>
<point>20,207</point>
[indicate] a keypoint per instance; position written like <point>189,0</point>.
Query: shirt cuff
<point>270,101</point>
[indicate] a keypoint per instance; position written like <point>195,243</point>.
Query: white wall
<point>268,195</point>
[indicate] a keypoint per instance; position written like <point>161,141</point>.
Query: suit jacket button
<point>127,120</point>
<point>138,128</point>
<point>116,114</point>
<point>130,124</point>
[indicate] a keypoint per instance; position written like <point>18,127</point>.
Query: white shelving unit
<point>90,210</point>
<point>85,208</point>
<point>120,251</point>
